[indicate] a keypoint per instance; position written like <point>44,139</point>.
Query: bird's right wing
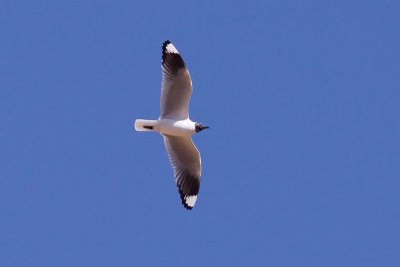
<point>176,84</point>
<point>186,163</point>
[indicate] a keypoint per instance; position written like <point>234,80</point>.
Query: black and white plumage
<point>175,125</point>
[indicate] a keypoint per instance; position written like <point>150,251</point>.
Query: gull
<point>175,125</point>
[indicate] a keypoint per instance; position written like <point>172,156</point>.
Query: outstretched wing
<point>176,84</point>
<point>186,163</point>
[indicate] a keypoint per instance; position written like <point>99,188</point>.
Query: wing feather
<point>186,162</point>
<point>176,87</point>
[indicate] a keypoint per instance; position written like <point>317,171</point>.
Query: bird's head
<point>200,127</point>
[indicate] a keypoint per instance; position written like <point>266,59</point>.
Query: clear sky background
<point>301,166</point>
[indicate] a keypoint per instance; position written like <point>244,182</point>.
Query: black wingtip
<point>188,186</point>
<point>167,42</point>
<point>183,200</point>
<point>164,52</point>
<point>171,59</point>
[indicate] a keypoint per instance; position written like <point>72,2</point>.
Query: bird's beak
<point>200,127</point>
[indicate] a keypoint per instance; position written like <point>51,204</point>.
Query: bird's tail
<point>145,125</point>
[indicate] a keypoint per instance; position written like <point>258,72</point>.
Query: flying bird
<point>175,125</point>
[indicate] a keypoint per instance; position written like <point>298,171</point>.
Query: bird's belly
<point>176,128</point>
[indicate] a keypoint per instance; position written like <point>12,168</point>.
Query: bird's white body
<point>168,126</point>
<point>176,127</point>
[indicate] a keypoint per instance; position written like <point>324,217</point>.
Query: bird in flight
<point>175,125</point>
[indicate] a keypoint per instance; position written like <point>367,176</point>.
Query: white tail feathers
<point>144,125</point>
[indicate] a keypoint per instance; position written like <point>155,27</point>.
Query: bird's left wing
<point>186,163</point>
<point>176,84</point>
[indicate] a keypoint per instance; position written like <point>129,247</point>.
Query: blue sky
<point>301,165</point>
